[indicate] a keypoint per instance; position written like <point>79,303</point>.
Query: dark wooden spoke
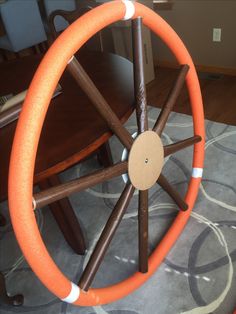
<point>163,182</point>
<point>142,122</point>
<point>139,80</point>
<point>99,102</point>
<point>143,231</point>
<point>175,147</point>
<point>171,99</point>
<point>58,192</point>
<point>106,237</point>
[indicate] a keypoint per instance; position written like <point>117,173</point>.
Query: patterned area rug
<point>198,274</point>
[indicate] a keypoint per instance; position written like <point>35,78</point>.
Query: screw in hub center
<point>145,160</point>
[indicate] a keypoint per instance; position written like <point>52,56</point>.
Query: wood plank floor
<point>218,92</point>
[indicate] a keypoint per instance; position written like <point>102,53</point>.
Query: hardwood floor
<point>218,92</point>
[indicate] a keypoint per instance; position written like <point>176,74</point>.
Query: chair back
<point>70,17</point>
<point>53,5</point>
<point>23,23</point>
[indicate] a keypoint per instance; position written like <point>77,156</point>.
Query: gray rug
<point>198,274</point>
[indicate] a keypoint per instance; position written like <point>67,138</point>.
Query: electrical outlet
<point>216,34</point>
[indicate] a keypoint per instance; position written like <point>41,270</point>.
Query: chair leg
<point>4,55</point>
<point>17,55</point>
<point>66,218</point>
<point>2,221</point>
<point>36,49</point>
<point>104,155</point>
<point>43,47</point>
<point>15,300</point>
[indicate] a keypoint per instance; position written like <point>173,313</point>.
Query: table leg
<point>104,155</point>
<point>66,218</point>
<point>15,300</point>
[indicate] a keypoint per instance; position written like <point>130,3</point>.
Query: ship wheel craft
<point>145,154</point>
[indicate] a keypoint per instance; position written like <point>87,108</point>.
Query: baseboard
<point>162,6</point>
<point>213,69</point>
<point>199,67</point>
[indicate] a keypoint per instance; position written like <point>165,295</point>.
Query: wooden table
<point>73,128</point>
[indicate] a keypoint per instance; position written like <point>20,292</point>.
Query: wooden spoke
<point>139,81</point>
<point>58,192</point>
<point>99,102</point>
<point>106,237</point>
<point>142,122</point>
<point>172,192</point>
<point>143,231</point>
<point>171,99</point>
<point>173,148</point>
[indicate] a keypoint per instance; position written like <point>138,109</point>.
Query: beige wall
<point>194,20</point>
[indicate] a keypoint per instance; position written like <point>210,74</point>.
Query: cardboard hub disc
<point>145,161</point>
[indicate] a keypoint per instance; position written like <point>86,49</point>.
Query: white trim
<point>73,295</point>
<point>130,9</point>
<point>197,172</point>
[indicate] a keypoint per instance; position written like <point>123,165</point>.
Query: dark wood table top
<point>73,129</point>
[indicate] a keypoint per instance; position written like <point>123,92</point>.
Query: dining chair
<point>53,5</point>
<point>23,25</point>
<point>95,43</point>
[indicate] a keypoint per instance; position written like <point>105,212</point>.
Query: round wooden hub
<point>145,161</point>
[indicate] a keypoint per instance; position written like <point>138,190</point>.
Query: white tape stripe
<point>70,60</point>
<point>130,9</point>
<point>197,172</point>
<point>34,204</point>
<point>124,157</point>
<point>73,295</point>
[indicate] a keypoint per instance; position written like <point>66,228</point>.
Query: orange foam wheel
<point>27,138</point>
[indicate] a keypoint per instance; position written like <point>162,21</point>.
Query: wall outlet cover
<point>216,34</point>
